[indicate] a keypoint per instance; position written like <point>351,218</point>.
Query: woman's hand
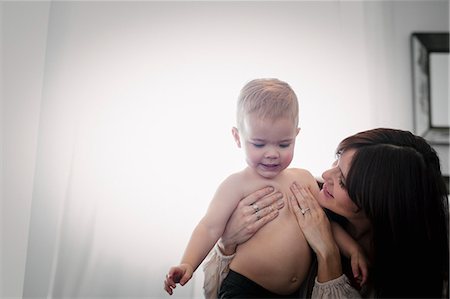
<point>317,231</point>
<point>252,213</point>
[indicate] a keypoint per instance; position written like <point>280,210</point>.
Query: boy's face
<point>268,144</point>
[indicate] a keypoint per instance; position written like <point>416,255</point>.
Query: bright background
<point>116,121</point>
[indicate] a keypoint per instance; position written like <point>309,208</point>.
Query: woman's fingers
<point>299,196</point>
<point>301,204</point>
<point>271,202</point>
<point>255,224</point>
<point>293,202</point>
<point>252,213</point>
<point>305,198</point>
<point>309,197</point>
<point>261,203</point>
<point>270,209</point>
<point>256,196</point>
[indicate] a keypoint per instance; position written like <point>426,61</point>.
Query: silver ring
<point>255,207</point>
<point>304,210</point>
<point>257,215</point>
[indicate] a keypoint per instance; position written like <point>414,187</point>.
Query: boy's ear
<point>236,137</point>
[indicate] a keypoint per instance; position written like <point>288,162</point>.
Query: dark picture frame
<point>424,44</point>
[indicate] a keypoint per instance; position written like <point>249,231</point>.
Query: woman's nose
<point>326,175</point>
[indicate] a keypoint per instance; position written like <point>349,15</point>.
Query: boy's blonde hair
<point>269,99</point>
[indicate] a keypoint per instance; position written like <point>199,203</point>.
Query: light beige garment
<point>215,270</point>
<point>336,288</point>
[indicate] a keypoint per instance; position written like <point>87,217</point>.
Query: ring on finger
<point>255,207</point>
<point>257,215</point>
<point>303,211</point>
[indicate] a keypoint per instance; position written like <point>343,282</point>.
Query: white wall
<point>116,121</point>
<point>23,46</point>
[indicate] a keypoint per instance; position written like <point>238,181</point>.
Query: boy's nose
<point>272,153</point>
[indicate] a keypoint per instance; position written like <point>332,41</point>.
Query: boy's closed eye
<point>258,145</point>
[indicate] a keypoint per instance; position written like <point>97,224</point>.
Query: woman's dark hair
<point>395,178</point>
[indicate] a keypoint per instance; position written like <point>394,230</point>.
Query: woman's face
<point>334,195</point>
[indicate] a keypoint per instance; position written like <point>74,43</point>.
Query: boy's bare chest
<point>281,184</point>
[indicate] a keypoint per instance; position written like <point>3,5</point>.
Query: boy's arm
<point>208,230</point>
<point>351,249</point>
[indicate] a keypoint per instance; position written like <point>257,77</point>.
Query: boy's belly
<point>277,257</point>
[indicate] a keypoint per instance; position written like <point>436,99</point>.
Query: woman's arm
<point>351,249</point>
<point>242,225</point>
<point>317,230</point>
<point>330,281</point>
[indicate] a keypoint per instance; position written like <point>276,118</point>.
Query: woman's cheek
<point>323,199</point>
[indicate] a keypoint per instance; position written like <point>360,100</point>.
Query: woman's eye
<point>341,183</point>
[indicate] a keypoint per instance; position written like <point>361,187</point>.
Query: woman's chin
<point>323,199</point>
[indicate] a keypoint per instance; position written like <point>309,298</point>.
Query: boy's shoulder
<point>234,180</point>
<point>303,177</point>
<point>299,172</point>
<point>238,185</point>
<point>236,176</point>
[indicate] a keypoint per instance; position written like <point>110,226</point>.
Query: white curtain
<point>135,109</point>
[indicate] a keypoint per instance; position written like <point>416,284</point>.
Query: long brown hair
<point>395,178</point>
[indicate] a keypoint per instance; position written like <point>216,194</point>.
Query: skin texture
<point>242,225</point>
<point>317,229</point>
<point>268,146</point>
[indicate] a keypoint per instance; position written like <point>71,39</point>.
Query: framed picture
<point>430,68</point>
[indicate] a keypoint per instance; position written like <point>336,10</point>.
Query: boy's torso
<point>277,257</point>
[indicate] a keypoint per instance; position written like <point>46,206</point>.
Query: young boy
<point>276,260</point>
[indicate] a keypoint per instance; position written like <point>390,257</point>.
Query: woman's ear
<point>236,137</point>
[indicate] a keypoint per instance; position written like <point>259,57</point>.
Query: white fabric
<point>215,269</point>
<point>334,289</point>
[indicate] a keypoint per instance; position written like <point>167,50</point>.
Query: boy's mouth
<point>270,166</point>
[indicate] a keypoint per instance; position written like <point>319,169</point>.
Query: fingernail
<point>279,195</point>
<point>280,203</point>
<point>270,189</point>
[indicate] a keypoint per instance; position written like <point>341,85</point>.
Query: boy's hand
<point>180,274</point>
<point>360,266</point>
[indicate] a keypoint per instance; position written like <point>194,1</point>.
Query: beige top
<point>336,288</point>
<point>216,268</point>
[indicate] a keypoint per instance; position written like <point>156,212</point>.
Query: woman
<point>387,187</point>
